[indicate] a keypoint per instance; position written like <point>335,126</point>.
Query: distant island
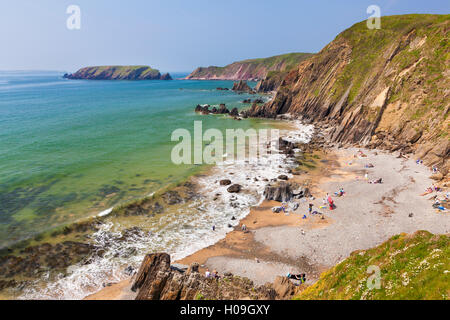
<point>118,73</point>
<point>251,69</point>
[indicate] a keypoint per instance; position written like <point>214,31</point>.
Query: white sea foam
<point>105,212</point>
<point>179,233</point>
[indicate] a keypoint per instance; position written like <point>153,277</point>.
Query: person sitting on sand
<point>244,228</point>
<point>216,274</point>
<point>300,277</point>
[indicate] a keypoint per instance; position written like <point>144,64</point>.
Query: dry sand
<point>367,215</point>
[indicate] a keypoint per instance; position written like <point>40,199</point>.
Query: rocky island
<point>118,73</point>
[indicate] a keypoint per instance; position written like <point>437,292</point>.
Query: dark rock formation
<point>223,109</point>
<point>156,280</point>
<point>234,112</point>
<point>242,86</point>
<point>235,188</point>
<point>225,182</point>
<point>280,192</point>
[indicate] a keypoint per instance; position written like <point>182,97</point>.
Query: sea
<point>75,149</point>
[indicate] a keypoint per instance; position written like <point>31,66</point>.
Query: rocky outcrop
<point>271,82</point>
<point>392,96</point>
<point>157,280</point>
<point>252,69</point>
<point>242,87</point>
<point>118,73</point>
<point>281,192</point>
<point>205,109</point>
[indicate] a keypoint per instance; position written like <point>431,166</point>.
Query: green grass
<point>369,46</point>
<point>273,64</point>
<point>120,72</point>
<point>412,267</point>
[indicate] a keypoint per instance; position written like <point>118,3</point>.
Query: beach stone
<point>283,177</point>
<point>235,188</point>
<point>225,182</point>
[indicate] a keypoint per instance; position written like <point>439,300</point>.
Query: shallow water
<point>74,148</point>
<point>71,149</point>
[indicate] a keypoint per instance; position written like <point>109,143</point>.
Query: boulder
<point>283,177</point>
<point>225,182</point>
<point>235,188</point>
<point>223,109</point>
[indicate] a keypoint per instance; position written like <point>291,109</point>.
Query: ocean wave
<point>178,233</point>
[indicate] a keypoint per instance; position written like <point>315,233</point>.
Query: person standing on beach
<point>214,228</point>
<point>310,208</point>
<point>331,203</point>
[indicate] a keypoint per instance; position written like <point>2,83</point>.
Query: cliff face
<point>118,73</point>
<point>253,69</point>
<point>386,88</point>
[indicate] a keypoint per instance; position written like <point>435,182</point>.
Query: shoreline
<point>271,247</point>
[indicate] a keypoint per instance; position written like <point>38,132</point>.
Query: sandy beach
<point>365,216</point>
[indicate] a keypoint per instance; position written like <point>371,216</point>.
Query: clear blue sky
<point>177,35</point>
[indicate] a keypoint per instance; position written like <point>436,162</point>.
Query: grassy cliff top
<point>252,68</point>
<point>412,267</point>
<point>120,71</point>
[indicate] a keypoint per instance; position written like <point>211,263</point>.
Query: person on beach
<point>207,273</point>
<point>244,228</point>
<point>331,202</point>
<point>310,208</point>
<point>214,228</point>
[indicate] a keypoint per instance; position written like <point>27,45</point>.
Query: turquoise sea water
<point>73,148</point>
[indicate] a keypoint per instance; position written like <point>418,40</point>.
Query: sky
<point>177,35</point>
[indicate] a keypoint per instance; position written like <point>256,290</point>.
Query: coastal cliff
<point>252,69</point>
<point>385,88</point>
<point>118,73</point>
